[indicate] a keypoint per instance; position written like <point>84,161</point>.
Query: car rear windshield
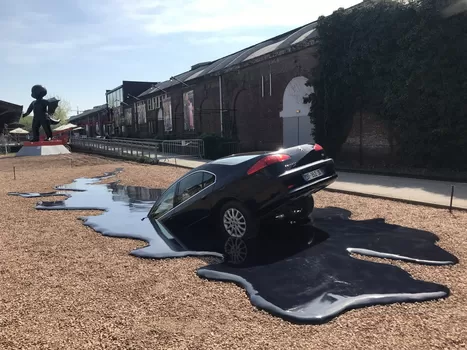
<point>234,160</point>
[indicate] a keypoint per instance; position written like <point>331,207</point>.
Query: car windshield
<point>166,203</point>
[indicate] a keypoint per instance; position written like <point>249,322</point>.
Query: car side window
<point>166,203</point>
<point>208,179</point>
<point>192,184</point>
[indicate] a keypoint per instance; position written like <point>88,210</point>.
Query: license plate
<point>313,174</point>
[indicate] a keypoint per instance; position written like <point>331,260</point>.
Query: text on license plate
<point>313,174</point>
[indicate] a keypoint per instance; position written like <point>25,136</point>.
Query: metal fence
<point>165,151</point>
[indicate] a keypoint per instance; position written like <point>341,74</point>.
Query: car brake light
<point>266,161</point>
<point>317,147</point>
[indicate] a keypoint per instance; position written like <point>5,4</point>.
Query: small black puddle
<point>302,274</point>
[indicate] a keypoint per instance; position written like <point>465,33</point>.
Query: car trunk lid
<point>301,155</point>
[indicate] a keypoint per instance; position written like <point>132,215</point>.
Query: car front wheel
<point>236,221</point>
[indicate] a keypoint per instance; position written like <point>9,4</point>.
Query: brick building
<point>125,108</point>
<point>109,118</point>
<point>10,115</point>
<point>254,95</point>
<point>94,121</point>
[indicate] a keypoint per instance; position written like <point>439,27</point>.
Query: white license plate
<point>313,174</point>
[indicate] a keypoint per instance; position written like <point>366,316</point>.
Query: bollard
<point>452,196</point>
<point>14,173</point>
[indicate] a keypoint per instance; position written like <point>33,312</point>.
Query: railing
<point>165,151</point>
<point>190,147</point>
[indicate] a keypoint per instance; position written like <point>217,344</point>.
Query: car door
<point>192,200</point>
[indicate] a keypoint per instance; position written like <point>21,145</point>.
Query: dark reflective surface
<point>303,274</point>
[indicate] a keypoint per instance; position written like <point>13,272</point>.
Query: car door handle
<point>204,197</point>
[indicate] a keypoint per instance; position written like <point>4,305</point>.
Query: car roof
<point>221,163</point>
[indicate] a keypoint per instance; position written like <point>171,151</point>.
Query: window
<point>192,184</point>
<point>166,203</point>
<point>208,179</point>
<point>234,160</point>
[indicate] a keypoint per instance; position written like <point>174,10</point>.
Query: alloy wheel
<point>236,250</point>
<point>234,223</point>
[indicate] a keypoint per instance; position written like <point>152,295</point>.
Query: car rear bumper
<point>297,194</point>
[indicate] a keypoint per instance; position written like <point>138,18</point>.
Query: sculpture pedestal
<point>42,148</point>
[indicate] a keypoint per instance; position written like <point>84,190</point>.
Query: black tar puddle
<point>302,274</point>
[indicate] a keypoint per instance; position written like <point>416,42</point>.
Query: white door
<point>296,123</point>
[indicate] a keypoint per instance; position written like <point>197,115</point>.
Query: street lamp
<point>158,88</point>
<point>181,82</point>
<point>130,95</point>
<point>123,103</point>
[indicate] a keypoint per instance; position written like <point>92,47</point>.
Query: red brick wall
<point>256,118</point>
<point>252,118</point>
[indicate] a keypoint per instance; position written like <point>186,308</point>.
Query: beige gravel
<point>63,286</point>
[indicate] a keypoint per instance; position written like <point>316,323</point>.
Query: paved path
<point>436,193</point>
<point>186,163</point>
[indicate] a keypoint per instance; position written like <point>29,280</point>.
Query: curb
<point>401,200</point>
<point>400,175</point>
<point>176,165</point>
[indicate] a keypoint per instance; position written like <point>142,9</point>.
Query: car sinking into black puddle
<point>239,193</point>
<point>302,273</point>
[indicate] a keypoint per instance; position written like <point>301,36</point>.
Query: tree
<point>404,61</point>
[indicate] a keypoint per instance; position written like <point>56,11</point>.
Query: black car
<point>241,191</point>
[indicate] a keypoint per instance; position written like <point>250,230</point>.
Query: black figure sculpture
<point>43,109</point>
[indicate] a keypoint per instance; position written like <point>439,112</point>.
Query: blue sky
<point>80,48</point>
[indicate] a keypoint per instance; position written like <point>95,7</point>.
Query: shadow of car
<point>240,192</point>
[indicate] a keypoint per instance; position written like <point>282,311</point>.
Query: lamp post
<point>123,103</point>
<point>181,82</point>
<point>158,88</point>
<point>130,95</point>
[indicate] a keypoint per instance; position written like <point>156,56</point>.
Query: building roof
<point>280,42</point>
<point>88,112</point>
<point>10,113</point>
<point>128,82</point>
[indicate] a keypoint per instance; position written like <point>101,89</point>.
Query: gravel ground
<point>63,286</point>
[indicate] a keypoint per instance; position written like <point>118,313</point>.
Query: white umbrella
<point>65,127</point>
<point>19,131</point>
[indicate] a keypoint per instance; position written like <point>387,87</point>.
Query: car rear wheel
<point>310,205</point>
<point>307,209</point>
<point>236,221</point>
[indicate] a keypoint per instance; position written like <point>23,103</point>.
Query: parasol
<point>19,131</point>
<point>66,127</point>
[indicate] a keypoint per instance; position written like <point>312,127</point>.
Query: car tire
<point>308,207</point>
<point>236,221</point>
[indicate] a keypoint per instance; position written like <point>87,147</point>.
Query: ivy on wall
<point>403,61</point>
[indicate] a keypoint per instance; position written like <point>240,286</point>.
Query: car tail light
<point>318,147</point>
<point>266,161</point>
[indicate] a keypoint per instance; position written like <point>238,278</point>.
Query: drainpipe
<point>221,105</point>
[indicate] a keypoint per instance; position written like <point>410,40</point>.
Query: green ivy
<point>407,63</point>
